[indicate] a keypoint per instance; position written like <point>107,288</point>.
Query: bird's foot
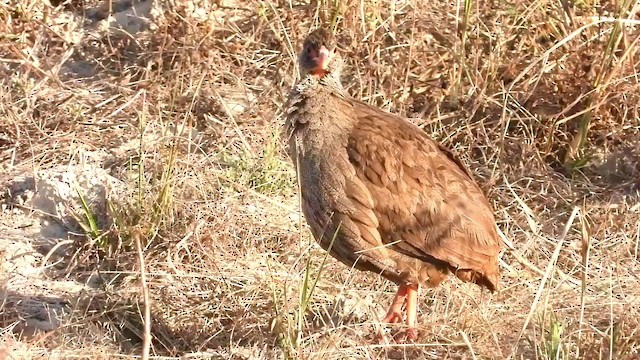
<point>409,335</point>
<point>406,336</point>
<point>392,317</point>
<point>407,294</point>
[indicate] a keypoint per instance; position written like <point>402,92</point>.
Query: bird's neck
<point>332,81</point>
<point>329,82</point>
<point>312,91</point>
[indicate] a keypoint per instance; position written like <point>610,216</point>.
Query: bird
<point>379,194</point>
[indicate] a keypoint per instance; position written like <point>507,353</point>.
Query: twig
<point>146,340</point>
<point>468,343</point>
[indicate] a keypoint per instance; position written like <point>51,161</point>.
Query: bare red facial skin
<point>321,58</point>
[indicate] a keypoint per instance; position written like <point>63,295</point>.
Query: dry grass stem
<point>146,340</point>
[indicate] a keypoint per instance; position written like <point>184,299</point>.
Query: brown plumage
<point>379,193</point>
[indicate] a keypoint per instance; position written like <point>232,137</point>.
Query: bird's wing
<point>426,203</point>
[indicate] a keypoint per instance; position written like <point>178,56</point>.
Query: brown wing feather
<point>426,202</point>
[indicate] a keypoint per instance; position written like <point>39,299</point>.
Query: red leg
<point>395,311</point>
<point>410,333</point>
<point>413,291</point>
<point>410,293</point>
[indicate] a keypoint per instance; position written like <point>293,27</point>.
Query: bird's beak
<point>322,61</point>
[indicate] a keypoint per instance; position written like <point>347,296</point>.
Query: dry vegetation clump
<point>541,98</point>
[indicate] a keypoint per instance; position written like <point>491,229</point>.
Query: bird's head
<point>319,57</point>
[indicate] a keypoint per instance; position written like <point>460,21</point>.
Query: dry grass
<point>540,99</point>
